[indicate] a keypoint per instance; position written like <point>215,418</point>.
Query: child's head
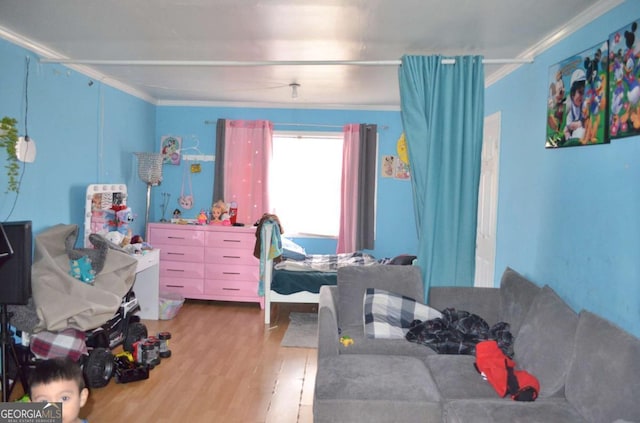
<point>59,380</point>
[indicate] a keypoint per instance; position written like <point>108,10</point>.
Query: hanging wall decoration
<point>576,104</point>
<point>401,170</point>
<point>624,89</point>
<point>388,166</point>
<point>170,149</point>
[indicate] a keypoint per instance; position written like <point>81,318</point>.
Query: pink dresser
<point>209,262</point>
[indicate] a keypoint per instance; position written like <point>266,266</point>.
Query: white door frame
<point>488,202</point>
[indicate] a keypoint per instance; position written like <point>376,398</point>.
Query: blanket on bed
<point>327,262</point>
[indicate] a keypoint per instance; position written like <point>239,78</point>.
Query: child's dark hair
<point>56,369</point>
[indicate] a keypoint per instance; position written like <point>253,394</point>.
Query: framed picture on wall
<point>170,149</point>
<point>576,103</point>
<point>624,89</point>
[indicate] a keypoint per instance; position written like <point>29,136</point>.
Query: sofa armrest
<point>328,336</point>
<point>485,302</point>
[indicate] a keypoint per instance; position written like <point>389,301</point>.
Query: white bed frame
<point>272,296</point>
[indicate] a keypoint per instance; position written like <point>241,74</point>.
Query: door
<point>488,202</point>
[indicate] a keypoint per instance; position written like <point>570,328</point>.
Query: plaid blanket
<point>69,342</point>
<point>389,315</point>
<point>327,262</point>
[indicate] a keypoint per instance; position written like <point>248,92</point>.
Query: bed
<point>299,280</point>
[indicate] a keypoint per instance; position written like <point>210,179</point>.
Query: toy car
<point>124,328</point>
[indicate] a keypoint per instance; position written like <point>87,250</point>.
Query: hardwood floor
<point>226,366</point>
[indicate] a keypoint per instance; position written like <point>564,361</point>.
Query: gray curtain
<point>365,232</point>
<point>218,174</point>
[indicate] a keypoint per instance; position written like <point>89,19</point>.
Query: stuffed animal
<point>81,270</point>
<point>118,218</point>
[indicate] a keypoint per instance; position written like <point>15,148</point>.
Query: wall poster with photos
<point>624,89</point>
<point>577,99</point>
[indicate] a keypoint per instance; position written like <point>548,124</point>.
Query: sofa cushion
<point>603,377</point>
<point>374,388</point>
<point>457,377</point>
<point>354,280</point>
<point>544,344</point>
<point>516,295</point>
<point>484,302</point>
<point>364,345</point>
<point>388,315</point>
<point>508,411</point>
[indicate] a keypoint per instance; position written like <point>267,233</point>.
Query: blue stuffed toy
<point>81,269</point>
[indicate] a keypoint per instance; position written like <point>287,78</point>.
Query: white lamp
<point>150,172</point>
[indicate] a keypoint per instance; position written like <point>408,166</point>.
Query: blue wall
<point>84,134</point>
<point>396,232</point>
<point>568,217</point>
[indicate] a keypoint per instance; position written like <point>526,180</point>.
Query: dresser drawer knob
<point>230,240</point>
<point>230,273</point>
<point>169,253</point>
<point>232,257</point>
<point>175,270</point>
<point>231,289</point>
<point>175,286</point>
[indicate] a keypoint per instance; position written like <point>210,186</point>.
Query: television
<point>15,262</point>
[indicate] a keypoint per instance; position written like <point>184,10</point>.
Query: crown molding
<point>586,16</point>
<point>47,53</point>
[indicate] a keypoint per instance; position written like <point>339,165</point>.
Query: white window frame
<point>273,184</point>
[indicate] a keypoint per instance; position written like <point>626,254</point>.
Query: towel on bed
<point>274,247</point>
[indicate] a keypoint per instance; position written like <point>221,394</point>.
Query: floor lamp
<point>150,172</point>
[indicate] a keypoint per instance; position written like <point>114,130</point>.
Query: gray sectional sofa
<point>588,368</point>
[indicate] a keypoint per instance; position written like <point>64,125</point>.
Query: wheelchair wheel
<point>98,368</point>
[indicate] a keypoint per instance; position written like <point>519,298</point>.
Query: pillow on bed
<point>403,260</point>
<point>389,315</point>
<point>293,251</point>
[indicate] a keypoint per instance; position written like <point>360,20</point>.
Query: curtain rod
<point>213,63</point>
<point>316,125</point>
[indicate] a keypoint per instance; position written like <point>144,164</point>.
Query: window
<point>305,172</point>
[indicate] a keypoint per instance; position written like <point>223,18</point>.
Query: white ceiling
<point>273,43</point>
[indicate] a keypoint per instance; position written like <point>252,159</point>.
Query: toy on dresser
<point>219,214</point>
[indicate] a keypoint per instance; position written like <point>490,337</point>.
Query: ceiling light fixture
<point>294,90</point>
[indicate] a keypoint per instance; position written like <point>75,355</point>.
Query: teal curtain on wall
<point>442,107</point>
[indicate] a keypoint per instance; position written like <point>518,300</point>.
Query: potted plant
<point>8,141</point>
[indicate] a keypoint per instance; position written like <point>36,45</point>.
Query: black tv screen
<point>15,262</point>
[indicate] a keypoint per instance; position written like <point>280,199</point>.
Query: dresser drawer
<point>187,287</point>
<point>169,236</point>
<point>229,256</point>
<point>233,273</point>
<point>239,289</point>
<point>181,269</point>
<point>181,253</point>
<point>231,239</point>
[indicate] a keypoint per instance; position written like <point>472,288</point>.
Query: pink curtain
<point>248,147</point>
<point>349,189</point>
